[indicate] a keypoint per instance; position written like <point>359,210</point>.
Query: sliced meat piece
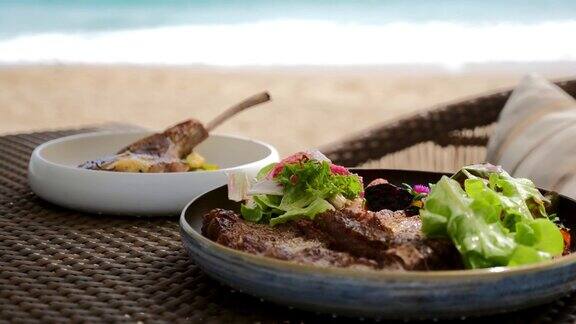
<point>411,246</point>
<point>129,162</point>
<point>281,242</point>
<point>344,232</point>
<point>157,153</point>
<point>396,223</point>
<point>175,142</point>
<point>347,238</point>
<point>391,238</point>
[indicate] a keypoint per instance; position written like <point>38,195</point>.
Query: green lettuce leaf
<point>309,187</point>
<point>253,214</point>
<point>314,208</point>
<point>449,212</point>
<point>492,218</point>
<point>522,194</point>
<point>526,255</point>
<point>548,237</point>
<point>265,170</point>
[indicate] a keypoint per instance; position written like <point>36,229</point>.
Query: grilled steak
<point>282,242</point>
<point>348,238</point>
<point>390,238</point>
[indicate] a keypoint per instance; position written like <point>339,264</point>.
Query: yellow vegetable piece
<point>195,160</point>
<point>417,203</point>
<point>210,167</point>
<point>131,165</point>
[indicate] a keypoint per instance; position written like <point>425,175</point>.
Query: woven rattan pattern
<point>59,266</point>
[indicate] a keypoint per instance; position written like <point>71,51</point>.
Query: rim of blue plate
<point>369,274</point>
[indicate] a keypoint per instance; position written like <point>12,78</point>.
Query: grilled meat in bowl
<point>172,149</point>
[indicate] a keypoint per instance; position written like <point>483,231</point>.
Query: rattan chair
<point>443,138</point>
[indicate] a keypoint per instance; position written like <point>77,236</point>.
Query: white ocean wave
<point>303,42</point>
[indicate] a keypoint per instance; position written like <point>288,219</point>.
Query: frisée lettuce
<point>301,186</point>
<point>492,218</point>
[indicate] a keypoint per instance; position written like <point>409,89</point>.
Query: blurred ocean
<point>449,33</point>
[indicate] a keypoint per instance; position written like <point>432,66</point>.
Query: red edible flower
<point>294,158</point>
<point>301,157</point>
<point>338,169</point>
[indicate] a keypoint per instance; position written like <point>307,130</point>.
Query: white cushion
<point>535,136</point>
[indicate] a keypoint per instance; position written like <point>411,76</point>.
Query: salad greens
<point>492,218</point>
<point>300,186</point>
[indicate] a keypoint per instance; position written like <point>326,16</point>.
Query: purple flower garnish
<point>421,189</point>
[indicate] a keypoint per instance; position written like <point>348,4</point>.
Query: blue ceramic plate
<point>372,293</point>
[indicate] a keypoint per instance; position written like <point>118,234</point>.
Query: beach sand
<point>311,106</point>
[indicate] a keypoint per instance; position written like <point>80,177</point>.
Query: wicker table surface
<point>58,265</point>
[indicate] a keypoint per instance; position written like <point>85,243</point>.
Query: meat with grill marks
<point>347,238</point>
<point>392,239</point>
<point>165,151</point>
<point>157,153</point>
<point>284,242</point>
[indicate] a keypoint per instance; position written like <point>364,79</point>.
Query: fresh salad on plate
<point>309,210</point>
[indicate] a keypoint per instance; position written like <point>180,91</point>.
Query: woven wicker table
<point>58,265</point>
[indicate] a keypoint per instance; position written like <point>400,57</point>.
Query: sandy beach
<point>311,106</point>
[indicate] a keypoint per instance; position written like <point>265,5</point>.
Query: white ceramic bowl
<point>54,175</point>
